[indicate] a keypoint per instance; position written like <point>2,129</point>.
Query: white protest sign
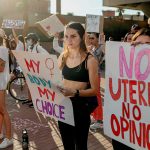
<point>51,25</point>
<point>127,94</point>
<point>92,23</point>
<point>42,76</point>
<point>16,24</point>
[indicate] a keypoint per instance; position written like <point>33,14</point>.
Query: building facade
<point>29,10</point>
<point>143,5</point>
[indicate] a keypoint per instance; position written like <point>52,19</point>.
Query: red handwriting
<point>132,87</point>
<point>136,112</point>
<point>32,65</point>
<point>138,131</point>
<point>49,94</point>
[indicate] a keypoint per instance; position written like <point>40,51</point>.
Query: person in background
<point>20,46</point>
<point>12,60</point>
<point>32,41</point>
<point>110,39</point>
<point>58,42</point>
<point>97,50</point>
<point>141,37</point>
<point>130,34</point>
<point>4,78</point>
<point>134,28</point>
<point>128,37</point>
<point>80,83</point>
<point>20,41</point>
<point>12,44</point>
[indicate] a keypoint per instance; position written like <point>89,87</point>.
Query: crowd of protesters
<point>81,58</point>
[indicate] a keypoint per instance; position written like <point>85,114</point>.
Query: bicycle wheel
<point>18,88</point>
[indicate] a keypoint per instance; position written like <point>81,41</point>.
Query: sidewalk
<point>43,132</point>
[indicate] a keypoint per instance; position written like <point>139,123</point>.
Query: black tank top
<point>78,73</point>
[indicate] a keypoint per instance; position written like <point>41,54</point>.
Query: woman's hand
<point>66,91</point>
<point>90,48</point>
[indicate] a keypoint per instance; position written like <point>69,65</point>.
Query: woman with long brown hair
<point>80,83</point>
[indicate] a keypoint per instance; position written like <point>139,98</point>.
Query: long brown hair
<point>81,31</point>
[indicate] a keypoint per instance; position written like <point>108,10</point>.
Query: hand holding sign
<point>66,91</point>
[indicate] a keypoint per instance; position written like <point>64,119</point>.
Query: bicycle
<point>17,86</point>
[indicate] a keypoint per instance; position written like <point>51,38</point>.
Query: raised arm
<point>15,36</point>
<point>56,46</point>
<point>92,66</point>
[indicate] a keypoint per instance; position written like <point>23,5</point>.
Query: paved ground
<point>43,132</point>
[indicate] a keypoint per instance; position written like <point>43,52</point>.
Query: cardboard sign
<point>94,23</point>
<point>16,24</point>
<point>127,94</point>
<point>42,76</point>
<point>52,24</point>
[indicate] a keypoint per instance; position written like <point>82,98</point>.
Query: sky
<point>83,7</point>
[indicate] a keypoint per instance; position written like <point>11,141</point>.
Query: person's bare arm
<point>15,35</point>
<point>92,66</point>
<point>2,65</point>
<point>56,46</point>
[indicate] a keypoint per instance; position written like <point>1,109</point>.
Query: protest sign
<point>16,24</point>
<point>52,24</point>
<point>94,23</point>
<point>43,76</point>
<point>127,94</point>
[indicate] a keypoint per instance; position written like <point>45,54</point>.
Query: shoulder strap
<point>86,60</point>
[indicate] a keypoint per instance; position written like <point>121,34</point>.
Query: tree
<point>70,14</point>
<point>120,11</point>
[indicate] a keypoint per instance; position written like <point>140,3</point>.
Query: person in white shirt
<point>97,50</point>
<point>33,46</point>
<point>20,41</point>
<point>58,37</point>
<point>4,78</point>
